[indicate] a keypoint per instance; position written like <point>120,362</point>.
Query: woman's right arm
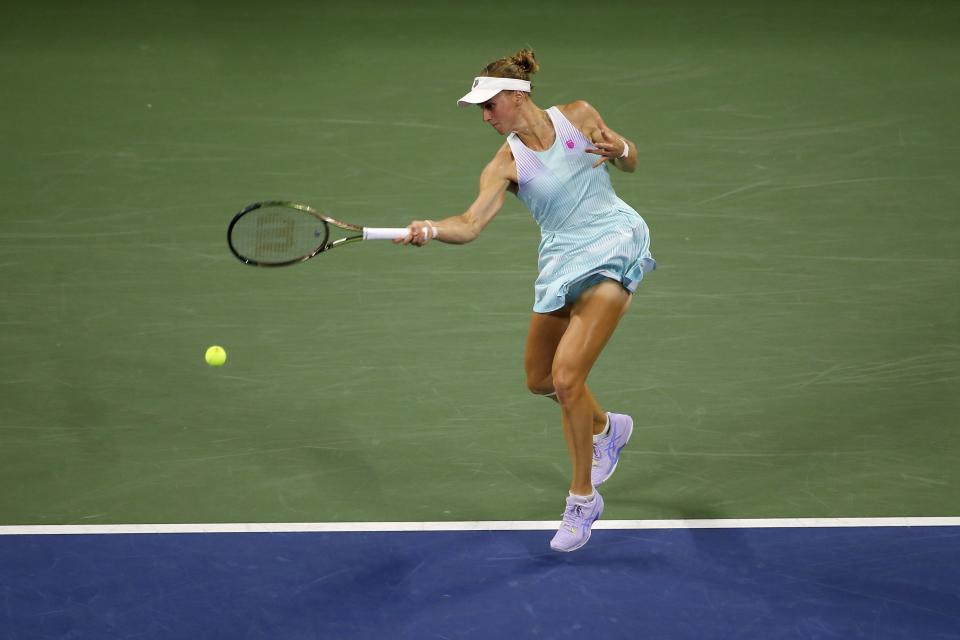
<point>494,182</point>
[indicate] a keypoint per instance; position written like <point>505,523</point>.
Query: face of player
<point>500,111</point>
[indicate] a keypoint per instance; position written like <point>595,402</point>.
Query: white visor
<point>486,87</point>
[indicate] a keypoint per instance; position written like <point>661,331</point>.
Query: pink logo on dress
<point>569,144</point>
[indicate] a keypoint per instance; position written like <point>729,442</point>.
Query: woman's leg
<point>592,320</point>
<point>546,331</point>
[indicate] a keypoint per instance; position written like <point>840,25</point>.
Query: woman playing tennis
<point>595,250</point>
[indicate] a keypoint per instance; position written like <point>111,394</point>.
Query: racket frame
<point>321,247</point>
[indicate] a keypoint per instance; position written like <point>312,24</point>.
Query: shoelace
<point>573,516</point>
<point>597,452</point>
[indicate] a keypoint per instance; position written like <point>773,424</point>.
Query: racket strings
<point>277,235</point>
<point>274,234</point>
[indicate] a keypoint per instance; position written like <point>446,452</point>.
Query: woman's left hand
<point>610,148</point>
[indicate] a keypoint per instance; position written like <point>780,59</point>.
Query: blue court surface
<point>685,583</point>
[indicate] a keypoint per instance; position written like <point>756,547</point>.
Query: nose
<point>486,116</point>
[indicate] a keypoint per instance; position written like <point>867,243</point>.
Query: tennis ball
<point>216,356</point>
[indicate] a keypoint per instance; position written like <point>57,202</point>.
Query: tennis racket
<point>279,233</point>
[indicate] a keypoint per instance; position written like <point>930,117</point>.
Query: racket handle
<point>387,233</point>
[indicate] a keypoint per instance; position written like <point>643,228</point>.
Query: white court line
<point>493,525</point>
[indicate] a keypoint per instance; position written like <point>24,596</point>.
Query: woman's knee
<point>540,385</point>
<point>568,381</point>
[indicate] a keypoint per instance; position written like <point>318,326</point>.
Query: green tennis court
<point>796,353</point>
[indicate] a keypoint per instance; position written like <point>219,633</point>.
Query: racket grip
<point>387,233</point>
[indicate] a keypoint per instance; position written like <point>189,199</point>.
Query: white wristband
<point>626,148</point>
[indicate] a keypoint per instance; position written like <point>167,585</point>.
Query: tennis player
<point>595,250</point>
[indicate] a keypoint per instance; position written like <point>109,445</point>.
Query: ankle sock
<point>583,499</point>
<point>603,434</point>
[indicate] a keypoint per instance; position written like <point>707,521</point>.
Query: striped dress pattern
<point>587,233</point>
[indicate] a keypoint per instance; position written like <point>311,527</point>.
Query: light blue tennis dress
<point>587,233</point>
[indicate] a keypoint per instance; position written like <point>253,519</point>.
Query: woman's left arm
<point>608,144</point>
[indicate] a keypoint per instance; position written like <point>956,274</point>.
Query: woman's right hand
<point>419,233</point>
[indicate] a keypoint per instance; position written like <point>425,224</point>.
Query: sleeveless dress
<point>587,233</point>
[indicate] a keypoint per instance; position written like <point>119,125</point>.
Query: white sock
<point>603,434</point>
<point>583,499</point>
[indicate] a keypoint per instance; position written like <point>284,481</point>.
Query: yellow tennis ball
<point>216,356</point>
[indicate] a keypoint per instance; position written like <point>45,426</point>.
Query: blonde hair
<point>519,66</point>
